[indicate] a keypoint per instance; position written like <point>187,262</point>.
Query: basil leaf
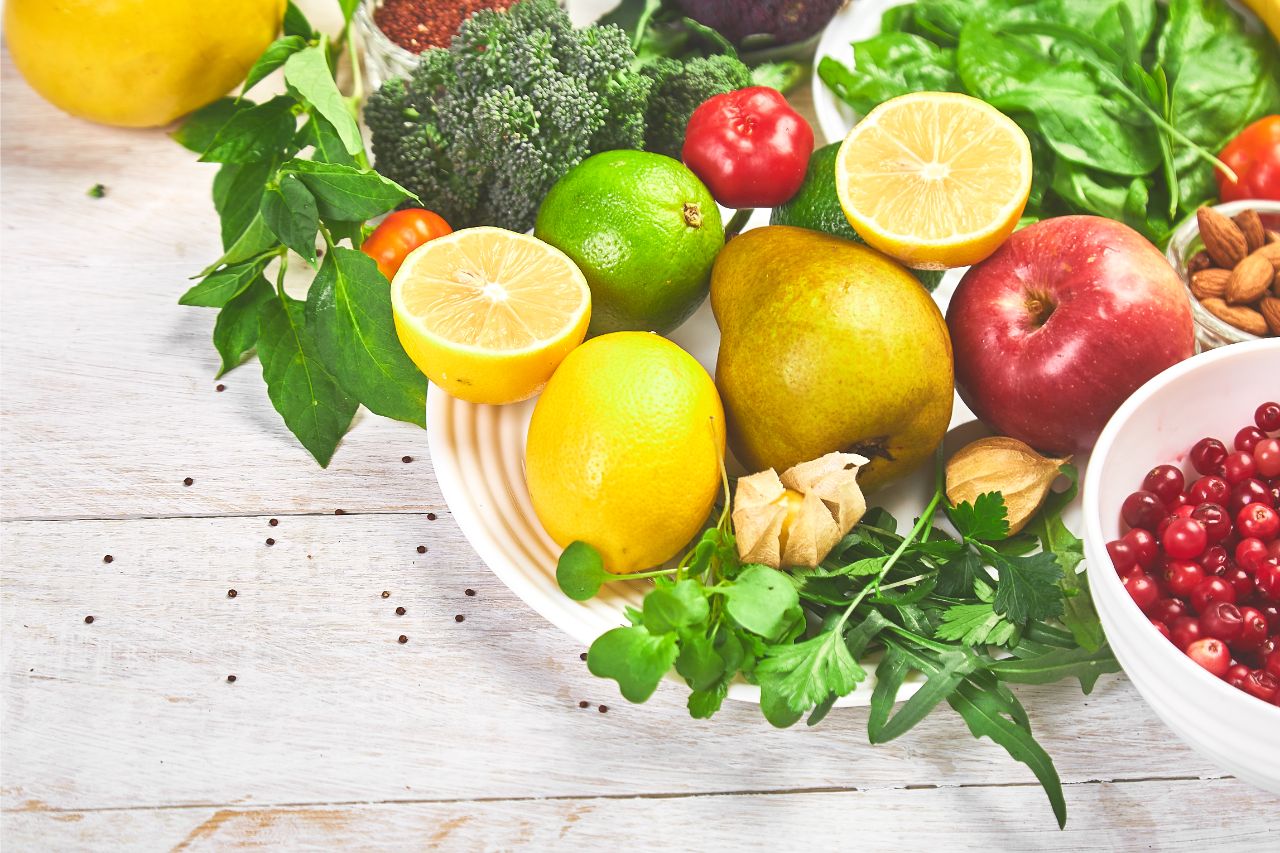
<point>236,330</point>
<point>320,134</point>
<point>349,311</point>
<point>344,192</point>
<point>272,58</point>
<point>253,134</point>
<point>199,128</point>
<point>217,289</point>
<point>303,391</point>
<point>289,210</point>
<point>634,658</point>
<point>307,73</point>
<point>296,23</point>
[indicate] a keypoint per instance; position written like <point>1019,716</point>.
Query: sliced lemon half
<point>488,314</point>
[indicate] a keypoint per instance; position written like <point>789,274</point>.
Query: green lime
<point>644,231</point>
<point>817,207</point>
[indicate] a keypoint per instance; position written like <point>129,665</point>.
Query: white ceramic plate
<point>857,21</point>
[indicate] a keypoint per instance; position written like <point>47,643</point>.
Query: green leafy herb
<point>97,191</point>
<point>580,571</point>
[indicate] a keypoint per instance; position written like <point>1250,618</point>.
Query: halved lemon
<point>934,179</point>
<point>488,314</point>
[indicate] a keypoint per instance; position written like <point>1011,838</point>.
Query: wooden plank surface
<point>125,733</point>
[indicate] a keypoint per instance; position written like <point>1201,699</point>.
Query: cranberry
<point>1267,579</point>
<point>1142,509</point>
<point>1144,545</point>
<point>1236,674</point>
<point>1223,621</point>
<point>1165,482</point>
<point>1185,539</point>
<point>1253,630</point>
<point>1258,521</point>
<point>1183,576</point>
<point>1241,581</point>
<point>1267,417</point>
<point>1168,609</point>
<point>1214,559</point>
<point>1211,653</point>
<point>1207,455</point>
<point>1267,457</point>
<point>1247,439</point>
<point>1184,631</point>
<point>1214,518</point>
<point>1161,627</point>
<point>1261,685</point>
<point>1270,612</point>
<point>1250,491</point>
<point>1271,662</point>
<point>1250,554</point>
<point>1142,589</point>
<point>1210,591</point>
<point>1122,556</point>
<point>1238,467</point>
<point>1210,489</point>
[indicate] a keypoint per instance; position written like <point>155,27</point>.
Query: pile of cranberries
<point>1202,559</point>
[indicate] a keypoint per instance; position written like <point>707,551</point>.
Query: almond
<point>1199,261</point>
<point>1210,283</point>
<point>1250,225</point>
<point>1270,308</point>
<point>1271,252</point>
<point>1250,279</point>
<point>1243,318</point>
<point>1222,238</point>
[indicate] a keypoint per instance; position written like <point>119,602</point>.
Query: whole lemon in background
<point>625,448</point>
<point>137,63</point>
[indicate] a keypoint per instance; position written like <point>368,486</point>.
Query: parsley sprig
<point>968,612</point>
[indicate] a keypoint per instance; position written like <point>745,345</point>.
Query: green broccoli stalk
<point>679,88</point>
<point>482,129</point>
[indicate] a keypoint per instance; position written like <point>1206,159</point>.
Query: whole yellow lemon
<point>137,63</point>
<point>625,448</point>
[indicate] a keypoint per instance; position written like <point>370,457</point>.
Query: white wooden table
<point>126,734</point>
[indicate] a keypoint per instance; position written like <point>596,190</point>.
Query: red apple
<point>1061,324</point>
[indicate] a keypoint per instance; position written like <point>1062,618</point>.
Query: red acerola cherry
<point>1184,631</point>
<point>1207,455</point>
<point>1144,545</point>
<point>1261,685</point>
<point>1238,467</point>
<point>1216,521</point>
<point>1223,621</point>
<point>1258,521</point>
<point>1210,591</point>
<point>1250,554</point>
<point>1210,489</point>
<point>1142,509</point>
<point>1185,539</point>
<point>1267,417</point>
<point>1267,457</point>
<point>1212,654</point>
<point>1183,576</point>
<point>1253,630</point>
<point>1165,482</point>
<point>1247,439</point>
<point>1142,589</point>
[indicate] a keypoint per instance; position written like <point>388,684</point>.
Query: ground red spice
<point>417,25</point>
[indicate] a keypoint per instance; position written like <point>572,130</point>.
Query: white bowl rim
<point>1092,515</point>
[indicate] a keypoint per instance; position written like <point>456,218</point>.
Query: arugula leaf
<point>634,658</point>
<point>975,625</point>
<point>802,674</point>
<point>197,132</point>
<point>997,715</point>
<point>580,571</point>
<point>943,671</point>
<point>307,73</point>
<point>1028,587</point>
<point>759,599</point>
<point>303,391</point>
<point>1057,664</point>
<point>289,210</point>
<point>857,569</point>
<point>296,23</point>
<point>672,606</point>
<point>345,192</point>
<point>218,288</point>
<point>350,313</point>
<point>985,518</point>
<point>236,330</point>
<point>253,134</point>
<point>272,58</point>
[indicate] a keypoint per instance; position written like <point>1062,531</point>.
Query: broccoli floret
<point>679,88</point>
<point>482,129</point>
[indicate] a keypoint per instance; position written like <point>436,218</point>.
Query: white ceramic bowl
<point>1212,394</point>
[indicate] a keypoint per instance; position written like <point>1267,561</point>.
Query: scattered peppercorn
<point>604,709</point>
<point>399,611</point>
<point>108,559</point>
<point>582,656</point>
<point>231,679</point>
<point>459,618</point>
<point>88,620</point>
<point>231,593</point>
<point>469,592</point>
<point>431,516</point>
<point>188,481</point>
<point>219,387</point>
<point>339,512</point>
<point>402,639</point>
<point>273,522</point>
<point>584,704</point>
<point>406,459</point>
<point>270,541</point>
<point>416,26</point>
<point>386,594</point>
<point>422,549</point>
<point>99,191</point>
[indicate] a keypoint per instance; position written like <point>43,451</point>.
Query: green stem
<point>738,221</point>
<point>284,267</point>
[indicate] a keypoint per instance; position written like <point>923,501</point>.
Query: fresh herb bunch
<point>1124,101</point>
<point>294,170</point>
<point>971,613</point>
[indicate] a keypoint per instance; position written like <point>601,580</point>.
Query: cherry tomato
<point>749,147</point>
<point>401,233</point>
<point>1254,155</point>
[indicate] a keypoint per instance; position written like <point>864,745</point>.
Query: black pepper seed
<point>339,512</point>
<point>604,709</point>
<point>108,558</point>
<point>402,639</point>
<point>584,704</point>
<point>271,541</point>
<point>220,387</point>
<point>231,593</point>
<point>386,594</point>
<point>399,611</point>
<point>406,459</point>
<point>422,549</point>
<point>431,516</point>
<point>188,481</point>
<point>582,656</point>
<point>273,522</point>
<point>459,618</point>
<point>231,679</point>
<point>88,620</point>
<point>469,592</point>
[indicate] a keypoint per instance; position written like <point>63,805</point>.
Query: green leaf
<point>236,330</point>
<point>307,73</point>
<point>957,577</point>
<point>857,638</point>
<point>1028,587</point>
<point>349,308</point>
<point>704,703</point>
<point>857,569</point>
<point>320,134</point>
<point>892,671</point>
<point>237,195</point>
<point>699,663</point>
<point>289,210</point>
<point>889,65</point>
<point>775,706</point>
<point>996,715</point>
<point>296,23</point>
<point>199,129</point>
<point>1079,614</point>
<point>943,672</point>
<point>255,134</point>
<point>670,607</point>
<point>634,658</point>
<point>344,192</point>
<point>985,518</point>
<point>217,289</point>
<point>256,239</point>
<point>272,58</point>
<point>580,571</point>
<point>804,673</point>
<point>348,8</point>
<point>303,391</point>
<point>1057,664</point>
<point>974,625</point>
<point>759,598</point>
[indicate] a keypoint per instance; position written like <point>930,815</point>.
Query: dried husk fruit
<point>796,519</point>
<point>1007,466</point>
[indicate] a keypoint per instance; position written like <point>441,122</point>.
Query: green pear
<point>826,345</point>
